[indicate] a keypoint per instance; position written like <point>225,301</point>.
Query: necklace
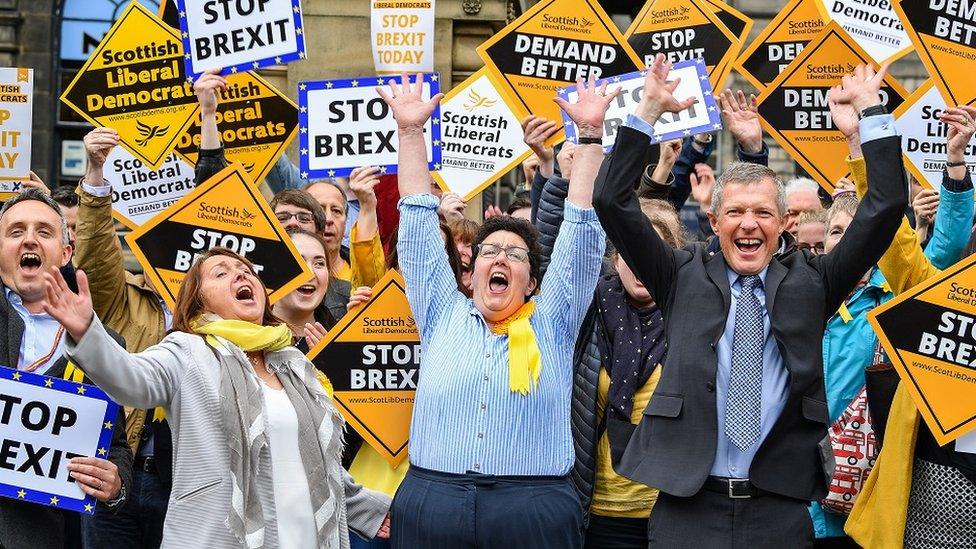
<point>256,361</point>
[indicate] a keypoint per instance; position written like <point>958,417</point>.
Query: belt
<point>146,464</point>
<point>735,488</point>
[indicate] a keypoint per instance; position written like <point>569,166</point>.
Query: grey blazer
<point>181,374</point>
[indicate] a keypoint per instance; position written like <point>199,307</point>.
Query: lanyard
<point>37,363</point>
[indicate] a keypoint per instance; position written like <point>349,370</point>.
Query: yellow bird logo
<point>149,132</point>
<point>476,100</point>
<point>247,215</point>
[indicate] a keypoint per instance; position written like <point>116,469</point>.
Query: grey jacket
<point>181,374</point>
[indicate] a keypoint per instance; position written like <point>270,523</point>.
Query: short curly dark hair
<point>525,230</point>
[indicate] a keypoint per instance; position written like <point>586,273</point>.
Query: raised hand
<point>961,121</point>
<point>925,204</point>
<point>741,118</point>
<point>362,182</point>
<point>98,144</point>
<point>314,332</point>
<point>206,88</point>
<point>565,159</point>
<point>659,93</point>
<point>451,207</point>
<point>407,103</point>
<point>361,295</point>
<point>844,115</point>
<point>590,107</point>
<point>73,310</point>
<point>702,184</point>
<point>35,182</point>
<point>535,132</point>
<point>862,88</point>
<point>493,211</point>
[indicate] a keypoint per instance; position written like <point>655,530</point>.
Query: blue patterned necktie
<point>742,412</point>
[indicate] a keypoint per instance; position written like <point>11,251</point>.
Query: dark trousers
<point>715,521</point>
<point>442,510</point>
<point>138,524</point>
<point>616,533</point>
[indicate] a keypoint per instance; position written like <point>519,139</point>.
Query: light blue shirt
<point>40,331</point>
<point>465,415</point>
<point>729,460</point>
<point>352,215</point>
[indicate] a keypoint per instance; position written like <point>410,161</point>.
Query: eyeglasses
<point>515,253</point>
<point>302,217</point>
<point>816,249</point>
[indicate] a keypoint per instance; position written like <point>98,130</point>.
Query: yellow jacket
<point>121,299</point>
<point>367,262</point>
<point>877,520</point>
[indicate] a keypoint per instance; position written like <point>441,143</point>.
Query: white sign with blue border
<point>344,124</point>
<point>44,422</point>
<point>702,117</point>
<point>240,35</point>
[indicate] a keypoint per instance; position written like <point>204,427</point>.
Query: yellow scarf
<point>250,337</point>
<point>524,359</point>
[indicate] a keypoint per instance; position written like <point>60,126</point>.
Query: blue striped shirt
<point>465,416</point>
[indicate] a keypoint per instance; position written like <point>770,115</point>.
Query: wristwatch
<point>708,138</point>
<point>873,110</point>
<point>117,500</point>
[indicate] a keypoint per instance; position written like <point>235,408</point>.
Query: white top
<point>293,505</point>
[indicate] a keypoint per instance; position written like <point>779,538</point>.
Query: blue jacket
<point>849,341</point>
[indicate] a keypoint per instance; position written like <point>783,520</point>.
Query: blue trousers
<point>442,510</point>
<point>138,524</point>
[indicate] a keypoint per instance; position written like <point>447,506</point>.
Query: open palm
<point>590,107</point>
<point>407,102</point>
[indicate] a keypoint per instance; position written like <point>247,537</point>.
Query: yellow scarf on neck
<point>248,336</point>
<point>524,359</point>
<point>251,337</point>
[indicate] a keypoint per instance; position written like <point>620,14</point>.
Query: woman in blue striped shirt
<point>490,442</point>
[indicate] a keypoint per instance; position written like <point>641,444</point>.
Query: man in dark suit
<point>731,434</point>
<point>33,240</point>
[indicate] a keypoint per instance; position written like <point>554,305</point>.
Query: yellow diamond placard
<point>549,47</point>
<point>227,210</point>
<point>372,359</point>
<point>799,22</point>
<point>684,30</point>
<point>256,123</point>
<point>794,111</point>
<point>135,82</point>
<point>929,334</point>
<point>943,33</point>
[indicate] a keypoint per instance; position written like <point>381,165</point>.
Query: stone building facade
<point>53,36</point>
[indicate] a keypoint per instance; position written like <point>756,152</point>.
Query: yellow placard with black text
<point>256,123</point>
<point>796,24</point>
<point>135,82</point>
<point>929,334</point>
<point>372,359</point>
<point>16,126</point>
<point>549,47</point>
<point>943,32</point>
<point>794,110</point>
<point>683,30</point>
<point>227,210</point>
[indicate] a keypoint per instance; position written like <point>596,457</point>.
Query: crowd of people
<point>594,372</point>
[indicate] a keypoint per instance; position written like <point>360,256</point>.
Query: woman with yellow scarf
<point>256,438</point>
<point>490,441</point>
